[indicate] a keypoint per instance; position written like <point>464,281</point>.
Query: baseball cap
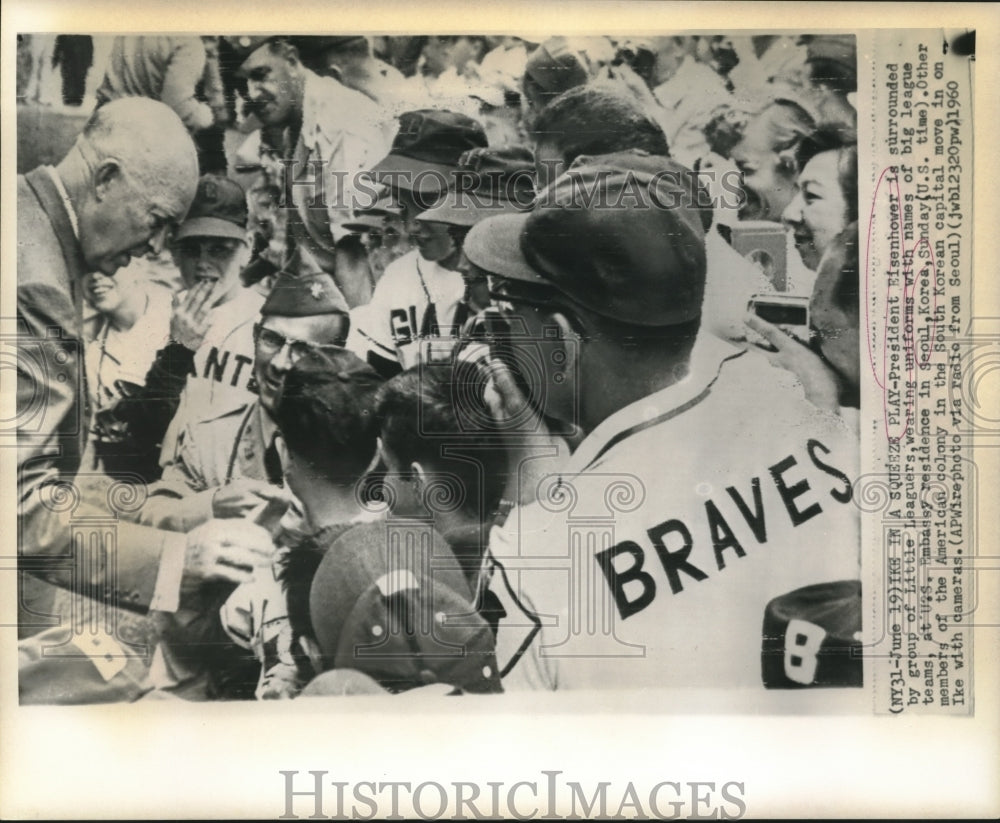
<point>373,217</point>
<point>396,620</point>
<point>302,289</point>
<point>634,253</point>
<point>833,658</point>
<point>502,182</point>
<point>219,210</point>
<point>428,146</point>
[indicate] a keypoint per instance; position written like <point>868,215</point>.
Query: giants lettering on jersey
<point>403,324</point>
<point>731,522</point>
<point>229,367</point>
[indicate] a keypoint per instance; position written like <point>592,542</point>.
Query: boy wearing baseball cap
<point>701,484</point>
<point>203,365</point>
<point>417,296</point>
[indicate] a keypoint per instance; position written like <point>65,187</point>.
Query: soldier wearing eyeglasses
<point>224,462</point>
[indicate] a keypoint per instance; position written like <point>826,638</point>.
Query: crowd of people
<point>455,363</point>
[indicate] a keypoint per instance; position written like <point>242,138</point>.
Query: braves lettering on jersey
<point>651,559</point>
<point>414,300</point>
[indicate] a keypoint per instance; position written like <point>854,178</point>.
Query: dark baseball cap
<point>219,210</point>
<point>427,148</point>
<point>405,619</point>
<point>836,610</point>
<point>488,181</point>
<point>619,241</point>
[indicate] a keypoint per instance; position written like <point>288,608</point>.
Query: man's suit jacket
<point>53,421</point>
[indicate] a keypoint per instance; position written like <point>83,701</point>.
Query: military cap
<point>312,46</point>
<point>243,45</point>
<point>302,289</point>
<point>556,67</point>
<point>219,210</point>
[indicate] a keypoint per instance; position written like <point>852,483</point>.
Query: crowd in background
<point>301,366</point>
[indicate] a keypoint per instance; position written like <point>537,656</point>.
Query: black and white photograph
<point>618,371</point>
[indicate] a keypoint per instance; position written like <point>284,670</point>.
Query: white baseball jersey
<point>397,319</point>
<point>223,366</point>
<point>652,558</point>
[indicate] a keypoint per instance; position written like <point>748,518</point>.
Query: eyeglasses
<point>217,249</point>
<point>271,342</point>
<point>505,302</point>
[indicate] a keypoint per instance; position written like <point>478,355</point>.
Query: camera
<point>539,365</point>
<point>788,312</point>
<point>764,244</point>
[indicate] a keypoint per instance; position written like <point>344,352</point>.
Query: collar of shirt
<point>707,359</point>
<point>268,428</point>
<point>70,211</point>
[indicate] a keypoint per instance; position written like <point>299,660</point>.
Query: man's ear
<point>281,447</point>
<point>334,71</point>
<point>312,650</point>
<point>570,339</point>
<point>106,175</point>
<point>787,164</point>
<point>419,476</point>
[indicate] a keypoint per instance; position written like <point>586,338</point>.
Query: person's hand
<point>535,452</point>
<point>108,427</point>
<point>189,322</point>
<point>225,550</point>
<point>820,382</point>
<point>241,496</point>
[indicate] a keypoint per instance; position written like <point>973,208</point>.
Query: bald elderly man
<point>127,181</point>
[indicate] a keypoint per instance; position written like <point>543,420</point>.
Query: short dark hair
<point>843,141</point>
<point>595,120</point>
<point>431,415</point>
<point>671,343</point>
<point>326,417</point>
<point>296,570</point>
<point>834,74</point>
